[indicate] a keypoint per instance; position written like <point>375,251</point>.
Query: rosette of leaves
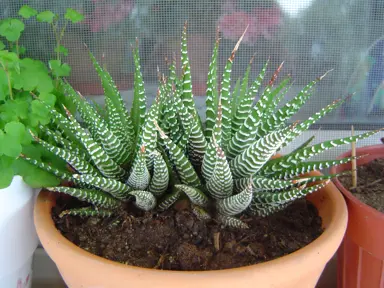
<point>154,157</point>
<point>22,79</point>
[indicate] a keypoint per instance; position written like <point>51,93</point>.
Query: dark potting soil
<point>177,240</point>
<point>370,184</point>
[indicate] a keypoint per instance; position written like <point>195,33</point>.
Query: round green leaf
<point>62,50</point>
<point>10,146</point>
<point>58,69</point>
<point>39,114</point>
<point>27,12</point>
<point>11,29</point>
<point>33,176</point>
<point>6,177</point>
<point>48,98</point>
<point>46,16</point>
<point>73,15</point>
<point>4,90</point>
<point>15,129</point>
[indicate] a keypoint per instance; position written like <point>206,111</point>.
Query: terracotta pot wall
<point>361,255</point>
<point>302,268</point>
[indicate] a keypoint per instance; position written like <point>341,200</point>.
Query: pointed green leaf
<point>144,199</point>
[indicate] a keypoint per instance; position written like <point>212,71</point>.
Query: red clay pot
<point>361,255</point>
<point>300,269</point>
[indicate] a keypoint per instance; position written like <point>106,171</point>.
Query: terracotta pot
<point>302,268</point>
<point>361,255</point>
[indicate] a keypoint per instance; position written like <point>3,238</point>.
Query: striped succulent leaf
<point>125,134</point>
<point>95,197</point>
<point>143,199</point>
<point>87,212</point>
<point>116,106</point>
<point>225,96</point>
<point>186,120</point>
<point>220,185</point>
<point>255,156</point>
<point>262,183</point>
<point>197,145</point>
<point>290,108</point>
<point>309,152</point>
<point>200,213</point>
<point>186,95</point>
<point>105,164</point>
<point>184,168</point>
<point>246,100</point>
<point>305,144</point>
<point>287,196</point>
<point>139,99</point>
<point>196,196</point>
<point>237,203</point>
<point>116,188</point>
<point>170,121</point>
<point>48,168</point>
<point>149,133</point>
<point>169,199</point>
<point>160,178</point>
<point>110,90</point>
<point>235,99</point>
<point>247,133</point>
<point>98,128</point>
<point>139,177</point>
<point>305,167</point>
<point>210,156</point>
<point>172,71</point>
<point>212,92</point>
<point>263,210</point>
<point>67,130</point>
<point>64,142</point>
<point>279,93</point>
<point>314,118</point>
<point>232,222</point>
<point>77,162</point>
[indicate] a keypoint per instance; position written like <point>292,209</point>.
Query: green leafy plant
<point>21,80</point>
<point>154,157</point>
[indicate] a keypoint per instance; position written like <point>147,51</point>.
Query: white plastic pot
<point>18,238</point>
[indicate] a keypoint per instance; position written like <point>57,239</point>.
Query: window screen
<point>310,36</point>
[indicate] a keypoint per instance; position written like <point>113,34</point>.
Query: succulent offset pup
<point>154,158</point>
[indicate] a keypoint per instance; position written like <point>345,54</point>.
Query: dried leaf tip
<point>161,132</point>
<point>274,76</point>
<point>325,74</point>
<point>217,36</point>
<point>252,58</point>
<point>142,148</point>
<point>238,44</point>
<point>33,135</point>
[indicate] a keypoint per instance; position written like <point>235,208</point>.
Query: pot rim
<point>333,233</point>
<point>344,190</point>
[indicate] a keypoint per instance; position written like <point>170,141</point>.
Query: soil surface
<point>177,240</point>
<point>370,184</point>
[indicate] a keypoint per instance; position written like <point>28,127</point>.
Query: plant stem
<point>353,154</point>
<point>9,81</point>
<point>17,48</point>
